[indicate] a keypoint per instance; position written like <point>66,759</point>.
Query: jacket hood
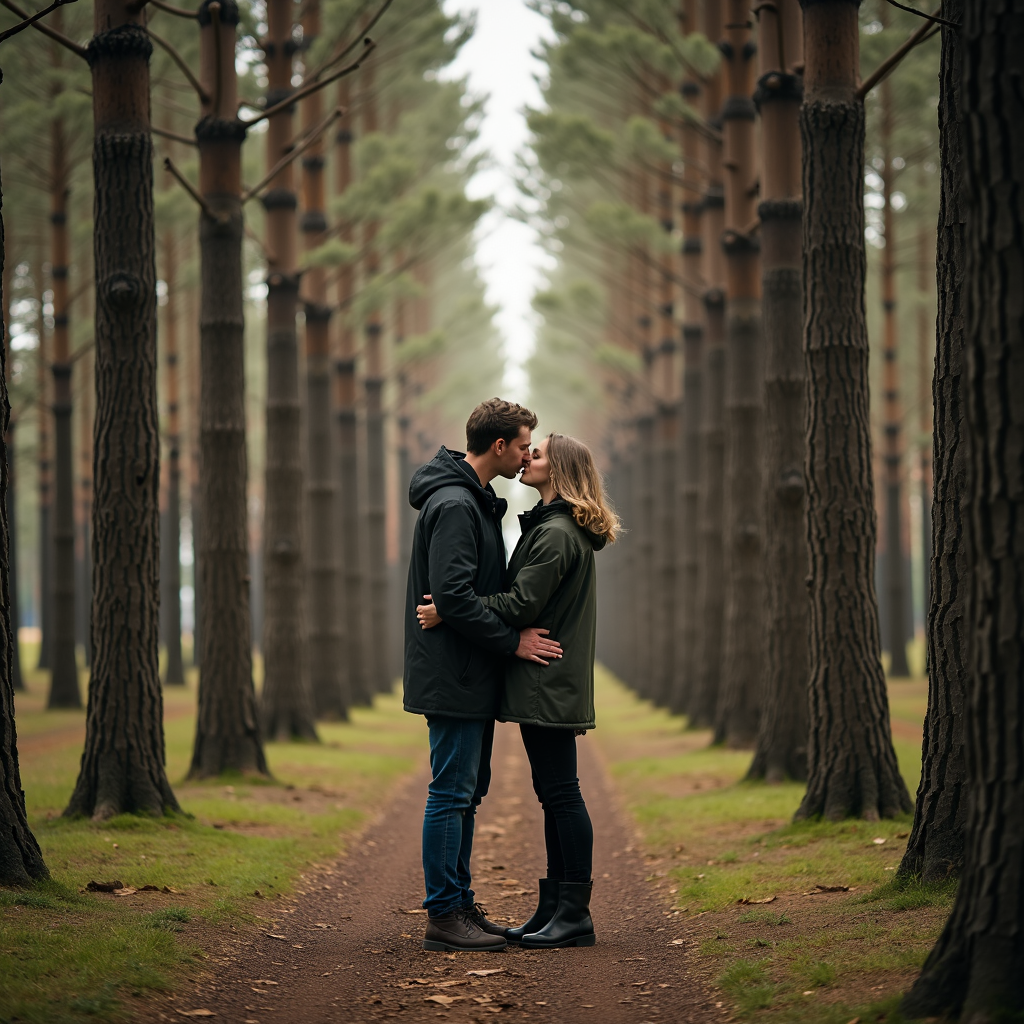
<point>559,507</point>
<point>449,469</point>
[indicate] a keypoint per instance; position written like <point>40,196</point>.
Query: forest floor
<point>298,900</point>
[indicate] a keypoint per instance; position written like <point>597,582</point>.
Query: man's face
<point>514,455</point>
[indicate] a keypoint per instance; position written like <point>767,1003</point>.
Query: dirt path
<point>348,947</point>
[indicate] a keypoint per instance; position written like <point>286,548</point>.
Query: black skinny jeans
<point>568,833</point>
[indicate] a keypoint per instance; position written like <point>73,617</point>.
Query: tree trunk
<point>690,448</point>
<point>64,692</point>
<point>171,596</point>
<point>286,702</point>
<point>227,725</point>
<point>350,575</point>
<point>10,494</point>
<point>708,659</point>
<point>924,376</point>
<point>85,510</point>
<point>329,689</point>
<point>123,763</point>
<point>894,565</point>
<point>375,551</point>
<point>974,970</point>
<point>935,849</point>
<point>739,701</point>
<point>851,762</point>
<point>781,751</point>
<point>21,861</point>
<point>43,377</point>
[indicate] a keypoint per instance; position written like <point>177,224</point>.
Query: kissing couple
<point>514,644</point>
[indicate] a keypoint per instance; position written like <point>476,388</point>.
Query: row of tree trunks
<point>227,725</point>
<point>123,762</point>
<point>781,750</point>
<point>287,706</point>
<point>326,662</point>
<point>973,972</point>
<point>739,696</point>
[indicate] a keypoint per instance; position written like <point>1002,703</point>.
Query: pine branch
<point>46,30</point>
<point>341,54</point>
<point>921,14</point>
<point>191,190</point>
<point>179,12</point>
<point>173,136</point>
<point>887,65</point>
<point>34,18</point>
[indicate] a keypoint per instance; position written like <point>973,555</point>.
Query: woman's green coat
<point>554,587</point>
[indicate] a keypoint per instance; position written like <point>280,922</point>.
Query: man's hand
<point>536,645</point>
<point>427,614</point>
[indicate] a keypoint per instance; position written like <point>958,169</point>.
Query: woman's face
<point>538,472</point>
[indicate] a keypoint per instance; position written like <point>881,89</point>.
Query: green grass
<point>79,956</point>
<point>713,840</point>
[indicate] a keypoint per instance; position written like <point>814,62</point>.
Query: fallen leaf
<point>540,1004</point>
<point>443,1000</point>
<point>827,888</point>
<point>509,881</point>
<point>767,899</point>
<point>167,888</point>
<point>809,992</point>
<point>485,972</point>
<point>677,942</point>
<point>514,892</point>
<point>126,891</point>
<point>878,840</point>
<point>263,981</point>
<point>481,999</point>
<point>196,1013</point>
<point>402,911</point>
<point>902,835</point>
<point>104,886</point>
<point>271,935</point>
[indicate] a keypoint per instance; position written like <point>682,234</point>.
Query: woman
<point>553,586</point>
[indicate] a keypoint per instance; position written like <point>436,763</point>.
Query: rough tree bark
<point>10,494</point>
<point>85,504</point>
<point>925,338</point>
<point>327,684</point>
<point>21,861</point>
<point>974,971</point>
<point>781,751</point>
<point>64,691</point>
<point>893,562</point>
<point>350,524</point>
<point>171,578</point>
<point>286,702</point>
<point>43,378</point>
<point>739,701</point>
<point>708,660</point>
<point>227,724</point>
<point>935,849</point>
<point>123,763</point>
<point>851,762</point>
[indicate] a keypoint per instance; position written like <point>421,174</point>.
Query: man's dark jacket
<point>458,555</point>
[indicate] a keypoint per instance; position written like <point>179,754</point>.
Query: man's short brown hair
<point>495,419</point>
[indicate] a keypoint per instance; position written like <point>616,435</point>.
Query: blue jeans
<point>460,762</point>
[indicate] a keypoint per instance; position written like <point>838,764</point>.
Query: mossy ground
<point>73,955</point>
<point>713,840</point>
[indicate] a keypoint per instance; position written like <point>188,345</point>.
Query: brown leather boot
<point>457,931</point>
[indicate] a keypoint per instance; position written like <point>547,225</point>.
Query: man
<point>454,673</point>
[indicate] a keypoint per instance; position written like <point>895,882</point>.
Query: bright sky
<point>500,66</point>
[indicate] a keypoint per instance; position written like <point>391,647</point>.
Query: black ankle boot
<point>571,924</point>
<point>547,904</point>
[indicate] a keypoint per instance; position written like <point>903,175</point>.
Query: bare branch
<point>203,95</point>
<point>306,90</point>
<point>190,189</point>
<point>894,58</point>
<point>173,136</point>
<point>921,14</point>
<point>33,19</point>
<point>46,30</point>
<point>314,133</point>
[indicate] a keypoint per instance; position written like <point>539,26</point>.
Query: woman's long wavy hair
<point>576,480</point>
